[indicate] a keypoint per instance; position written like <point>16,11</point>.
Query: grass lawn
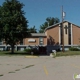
<point>67,53</point>
<point>5,53</point>
<point>20,53</point>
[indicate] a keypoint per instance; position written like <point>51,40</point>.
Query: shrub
<point>28,50</point>
<point>35,51</point>
<point>58,50</point>
<point>74,49</point>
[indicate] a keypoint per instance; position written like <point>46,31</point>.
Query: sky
<point>36,11</point>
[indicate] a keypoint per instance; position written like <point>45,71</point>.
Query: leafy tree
<point>49,21</point>
<point>13,24</point>
<point>33,30</point>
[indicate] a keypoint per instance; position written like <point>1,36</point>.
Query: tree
<point>33,30</point>
<point>13,24</point>
<point>49,21</point>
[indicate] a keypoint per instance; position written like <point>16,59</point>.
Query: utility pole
<point>62,32</point>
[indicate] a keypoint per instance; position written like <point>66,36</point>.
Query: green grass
<point>5,53</point>
<point>16,53</point>
<point>67,53</point>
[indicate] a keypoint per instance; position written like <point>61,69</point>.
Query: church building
<point>53,35</point>
<point>71,34</point>
<point>51,38</point>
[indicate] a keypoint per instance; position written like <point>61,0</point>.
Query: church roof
<point>38,34</point>
<point>58,24</point>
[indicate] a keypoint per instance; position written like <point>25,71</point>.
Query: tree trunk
<point>12,49</point>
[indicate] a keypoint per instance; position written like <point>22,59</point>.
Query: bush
<point>35,51</point>
<point>28,50</point>
<point>74,49</point>
<point>58,50</point>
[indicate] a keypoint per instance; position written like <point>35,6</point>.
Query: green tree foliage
<point>49,21</point>
<point>33,30</point>
<point>13,24</point>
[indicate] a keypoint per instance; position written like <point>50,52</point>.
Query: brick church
<point>51,38</point>
<point>53,35</point>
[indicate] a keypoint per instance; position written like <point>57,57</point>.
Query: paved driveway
<point>38,68</point>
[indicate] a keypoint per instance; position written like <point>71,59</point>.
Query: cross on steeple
<point>66,29</point>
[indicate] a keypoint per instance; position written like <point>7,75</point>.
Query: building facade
<point>71,34</point>
<point>36,39</point>
<point>52,37</point>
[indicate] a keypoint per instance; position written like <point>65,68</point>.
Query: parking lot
<point>38,68</point>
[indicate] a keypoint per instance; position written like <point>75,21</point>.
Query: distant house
<point>52,37</point>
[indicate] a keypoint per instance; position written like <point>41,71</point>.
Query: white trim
<point>59,36</point>
<point>71,36</point>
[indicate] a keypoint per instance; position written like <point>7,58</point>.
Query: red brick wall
<point>76,34</point>
<point>25,41</point>
<point>53,35</point>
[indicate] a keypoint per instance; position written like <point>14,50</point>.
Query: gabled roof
<point>58,24</point>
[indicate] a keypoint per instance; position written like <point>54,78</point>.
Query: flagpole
<point>62,32</point>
